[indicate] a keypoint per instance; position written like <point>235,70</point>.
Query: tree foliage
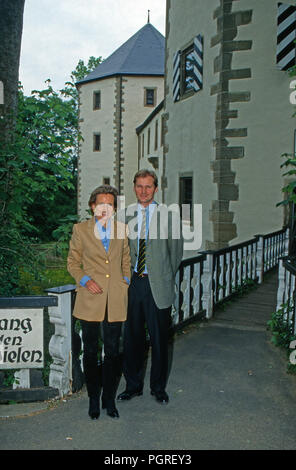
<point>38,175</point>
<point>48,123</point>
<point>47,138</point>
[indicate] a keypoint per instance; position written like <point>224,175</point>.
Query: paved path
<point>228,389</point>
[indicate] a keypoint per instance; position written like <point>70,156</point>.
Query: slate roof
<point>142,54</point>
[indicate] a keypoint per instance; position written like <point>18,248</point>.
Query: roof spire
<point>148,21</point>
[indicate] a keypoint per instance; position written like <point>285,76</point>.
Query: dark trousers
<point>141,309</point>
<point>94,379</point>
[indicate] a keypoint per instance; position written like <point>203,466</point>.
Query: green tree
<point>82,69</point>
<point>48,122</point>
<point>48,128</point>
<point>41,162</point>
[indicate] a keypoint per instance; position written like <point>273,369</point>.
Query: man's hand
<point>93,287</point>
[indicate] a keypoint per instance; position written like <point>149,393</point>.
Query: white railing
<point>214,276</point>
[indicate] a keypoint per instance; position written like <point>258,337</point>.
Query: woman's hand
<point>93,287</point>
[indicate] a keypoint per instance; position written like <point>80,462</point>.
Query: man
<point>156,253</point>
<point>100,263</point>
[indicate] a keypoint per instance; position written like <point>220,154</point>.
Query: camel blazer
<point>87,256</point>
<point>164,252</point>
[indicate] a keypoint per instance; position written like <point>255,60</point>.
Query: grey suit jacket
<point>164,250</point>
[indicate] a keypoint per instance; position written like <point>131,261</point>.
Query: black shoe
<point>127,395</point>
<point>111,409</point>
<point>94,408</point>
<point>161,397</point>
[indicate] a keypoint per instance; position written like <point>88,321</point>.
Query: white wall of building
<point>151,155</point>
<point>191,122</point>
<point>94,166</point>
<point>134,114</point>
<point>268,117</point>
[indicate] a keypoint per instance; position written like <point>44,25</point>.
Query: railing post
<point>196,286</point>
<point>260,258</point>
<point>60,345</point>
<point>286,242</point>
<point>175,307</point>
<point>185,289</point>
<point>281,285</point>
<point>21,379</point>
<point>207,283</point>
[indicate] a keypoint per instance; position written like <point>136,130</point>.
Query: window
<point>162,131</point>
<point>139,146</point>
<point>106,180</point>
<point>185,196</point>
<point>97,100</point>
<point>286,27</point>
<point>148,142</point>
<point>150,97</point>
<point>156,135</point>
<point>143,142</point>
<point>97,142</point>
<point>188,69</point>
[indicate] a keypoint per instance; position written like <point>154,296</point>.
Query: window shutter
<point>198,63</point>
<point>176,76</point>
<point>286,35</point>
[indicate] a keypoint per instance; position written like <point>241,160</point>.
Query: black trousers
<point>95,378</point>
<point>141,309</point>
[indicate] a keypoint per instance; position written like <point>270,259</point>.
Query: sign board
<point>21,338</point>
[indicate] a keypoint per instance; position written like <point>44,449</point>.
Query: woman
<point>99,261</point>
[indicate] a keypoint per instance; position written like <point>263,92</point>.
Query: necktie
<point>142,245</point>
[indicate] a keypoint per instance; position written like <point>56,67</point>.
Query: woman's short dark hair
<point>103,189</point>
<point>144,173</point>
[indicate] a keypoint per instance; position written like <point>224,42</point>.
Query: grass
<point>51,272</point>
<point>50,277</point>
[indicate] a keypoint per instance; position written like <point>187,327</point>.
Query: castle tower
<point>113,99</point>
